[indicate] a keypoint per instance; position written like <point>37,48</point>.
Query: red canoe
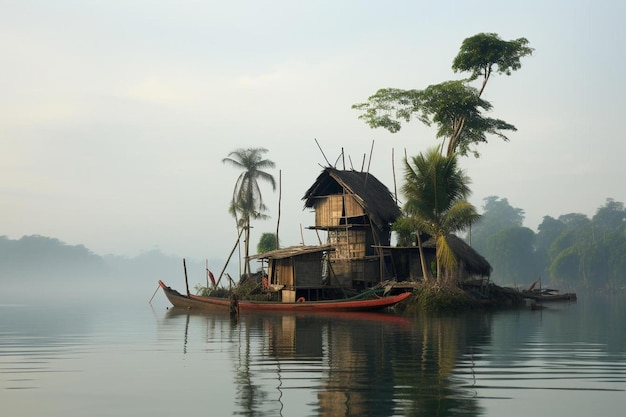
<point>348,304</point>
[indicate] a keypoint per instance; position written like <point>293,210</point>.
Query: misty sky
<point>115,115</point>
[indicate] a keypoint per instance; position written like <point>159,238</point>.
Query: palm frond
<point>445,255</point>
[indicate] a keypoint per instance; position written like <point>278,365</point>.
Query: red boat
<point>348,304</point>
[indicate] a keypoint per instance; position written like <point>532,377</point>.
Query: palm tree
<point>436,190</point>
<point>247,202</point>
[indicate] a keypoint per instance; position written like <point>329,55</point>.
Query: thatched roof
<point>473,262</point>
<point>292,251</point>
<point>371,194</point>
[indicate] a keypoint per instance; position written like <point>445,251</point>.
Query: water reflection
<point>77,360</point>
<point>562,359</point>
<point>347,364</point>
<point>386,365</point>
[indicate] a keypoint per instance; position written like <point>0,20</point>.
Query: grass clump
<point>441,297</point>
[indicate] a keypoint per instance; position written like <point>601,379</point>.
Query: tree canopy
<point>484,53</point>
<point>455,107</point>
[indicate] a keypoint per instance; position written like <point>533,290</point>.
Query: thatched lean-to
<point>472,263</point>
<point>407,266</point>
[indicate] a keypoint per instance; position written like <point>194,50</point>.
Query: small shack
<point>296,271</point>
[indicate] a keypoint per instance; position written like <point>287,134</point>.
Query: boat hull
<point>213,303</point>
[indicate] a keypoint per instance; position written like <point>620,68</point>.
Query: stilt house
<point>356,212</point>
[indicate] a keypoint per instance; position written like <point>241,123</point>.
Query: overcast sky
<point>115,115</point>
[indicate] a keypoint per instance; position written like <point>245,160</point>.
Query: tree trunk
<point>425,273</point>
<point>246,266</point>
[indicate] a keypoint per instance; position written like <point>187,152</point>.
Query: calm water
<point>129,358</point>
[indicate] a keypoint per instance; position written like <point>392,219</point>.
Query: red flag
<point>211,276</point>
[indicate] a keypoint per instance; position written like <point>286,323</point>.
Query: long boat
<point>348,304</point>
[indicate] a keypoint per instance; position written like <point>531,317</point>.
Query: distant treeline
<point>571,251</point>
<point>45,259</point>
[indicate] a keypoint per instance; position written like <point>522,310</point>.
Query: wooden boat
<point>548,295</point>
<point>348,304</point>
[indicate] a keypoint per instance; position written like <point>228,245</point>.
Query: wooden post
<point>279,200</point>
<point>207,273</point>
<point>186,282</point>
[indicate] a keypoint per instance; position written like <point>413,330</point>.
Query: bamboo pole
<point>326,159</point>
<point>229,256</point>
<point>393,170</point>
<point>207,272</point>
<point>186,281</point>
<point>279,200</point>
<point>369,162</point>
<point>155,291</point>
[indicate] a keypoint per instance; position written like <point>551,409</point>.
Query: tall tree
<point>548,231</point>
<point>511,252</point>
<point>609,219</point>
<point>455,107</point>
<point>247,202</point>
<point>497,215</point>
<point>567,263</point>
<point>436,190</point>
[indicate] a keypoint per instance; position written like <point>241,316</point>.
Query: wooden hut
<point>356,210</point>
<point>296,271</point>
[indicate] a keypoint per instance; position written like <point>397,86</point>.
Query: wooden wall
<point>333,209</point>
<point>348,243</point>
<point>351,272</point>
<point>281,271</point>
<point>298,272</point>
<point>308,270</point>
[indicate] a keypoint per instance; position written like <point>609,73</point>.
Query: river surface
<point>119,355</point>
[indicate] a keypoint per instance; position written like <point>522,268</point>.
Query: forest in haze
<point>572,251</point>
<point>38,262</point>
